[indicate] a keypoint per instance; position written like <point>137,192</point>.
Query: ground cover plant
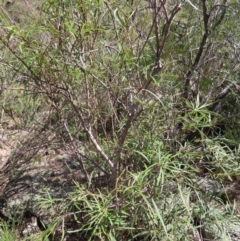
<point>146,92</point>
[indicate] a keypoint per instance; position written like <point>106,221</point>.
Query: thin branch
<point>220,97</point>
<point>200,50</point>
<point>207,32</point>
<point>135,112</point>
<point>87,128</point>
<point>160,46</point>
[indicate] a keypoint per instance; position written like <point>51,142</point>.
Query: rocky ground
<point>26,181</point>
<point>6,145</point>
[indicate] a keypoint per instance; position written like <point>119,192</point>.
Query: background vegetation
<point>144,91</point>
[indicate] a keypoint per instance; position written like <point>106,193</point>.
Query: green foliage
<point>133,88</point>
<point>7,233</point>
